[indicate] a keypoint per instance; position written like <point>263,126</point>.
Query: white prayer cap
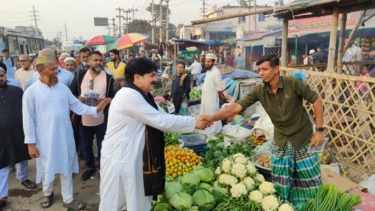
<point>312,51</point>
<point>211,56</point>
<point>64,55</point>
<point>70,59</point>
<point>165,76</point>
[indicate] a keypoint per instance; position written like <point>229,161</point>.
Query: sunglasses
<point>91,85</point>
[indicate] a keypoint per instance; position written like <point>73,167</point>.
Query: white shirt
<point>23,75</point>
<point>195,68</point>
<point>121,171</point>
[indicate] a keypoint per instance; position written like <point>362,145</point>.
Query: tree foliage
<point>279,3</point>
<point>157,12</point>
<point>145,27</point>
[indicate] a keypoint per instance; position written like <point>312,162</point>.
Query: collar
<point>280,85</point>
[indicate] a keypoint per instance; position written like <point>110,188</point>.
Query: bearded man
<point>48,132</point>
<point>116,65</point>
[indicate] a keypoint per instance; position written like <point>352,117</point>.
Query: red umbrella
<point>101,40</point>
<point>128,40</point>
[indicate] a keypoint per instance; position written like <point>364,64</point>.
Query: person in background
<point>17,64</point>
<point>210,97</point>
<point>62,57</point>
<point>48,131</point>
<point>352,54</point>
<point>9,62</point>
<point>295,172</point>
<point>143,54</point>
<point>181,90</point>
<point>84,55</point>
<point>229,60</point>
<point>239,61</point>
<point>203,63</point>
<point>70,65</point>
<point>167,86</point>
<point>195,69</point>
<point>26,71</point>
<point>221,58</point>
<point>116,65</point>
<point>309,59</point>
<point>130,57</point>
<point>362,86</point>
<point>12,147</point>
<point>133,164</point>
<point>106,69</point>
<point>12,82</point>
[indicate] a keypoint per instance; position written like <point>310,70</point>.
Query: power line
<point>35,19</point>
<point>119,16</point>
<point>66,32</point>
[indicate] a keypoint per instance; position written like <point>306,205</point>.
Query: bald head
<point>47,52</point>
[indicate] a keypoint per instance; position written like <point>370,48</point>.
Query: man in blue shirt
<point>9,62</point>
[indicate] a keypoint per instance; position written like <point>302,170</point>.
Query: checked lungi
<point>295,173</point>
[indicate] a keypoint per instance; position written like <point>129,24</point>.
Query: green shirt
<point>285,109</point>
<point>167,87</point>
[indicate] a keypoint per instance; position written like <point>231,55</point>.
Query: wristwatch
<point>320,129</point>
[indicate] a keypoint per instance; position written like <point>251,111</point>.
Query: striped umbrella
<point>128,40</point>
<point>101,40</point>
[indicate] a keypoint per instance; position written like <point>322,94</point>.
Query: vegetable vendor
<point>132,163</point>
<point>295,173</point>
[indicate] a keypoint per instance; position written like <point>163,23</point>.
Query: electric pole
<point>161,21</point>
<point>114,27</point>
<point>204,9</point>
<point>167,22</point>
<point>255,16</point>
<point>66,32</point>
<point>34,15</point>
<point>133,10</point>
<point>119,20</point>
<point>109,30</point>
<point>60,40</point>
<point>153,21</point>
<point>127,19</point>
<point>249,16</point>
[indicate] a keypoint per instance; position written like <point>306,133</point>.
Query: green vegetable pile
<point>194,95</point>
<point>156,91</point>
<point>192,192</point>
<point>216,151</point>
<point>171,139</point>
<point>329,198</point>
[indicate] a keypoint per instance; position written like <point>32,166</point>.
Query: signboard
<point>220,26</point>
<point>100,21</point>
<point>317,25</point>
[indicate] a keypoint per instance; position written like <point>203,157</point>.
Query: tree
<point>157,12</point>
<point>178,28</point>
<point>140,26</point>
<point>243,3</point>
<point>279,3</point>
<point>48,42</point>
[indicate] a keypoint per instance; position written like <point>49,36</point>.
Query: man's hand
<point>33,151</point>
<point>317,139</point>
<point>202,122</point>
<point>98,101</point>
<point>103,104</point>
<point>82,99</point>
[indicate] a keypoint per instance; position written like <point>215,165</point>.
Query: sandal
<point>48,201</point>
<point>75,205</point>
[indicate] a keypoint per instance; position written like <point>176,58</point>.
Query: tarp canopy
<point>187,52</point>
<point>201,45</point>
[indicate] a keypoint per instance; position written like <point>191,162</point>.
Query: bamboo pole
<point>332,40</point>
<point>284,42</point>
<point>354,31</point>
<point>341,43</point>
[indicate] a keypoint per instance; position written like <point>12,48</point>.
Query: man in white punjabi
<point>48,131</point>
<point>132,164</point>
<point>12,147</point>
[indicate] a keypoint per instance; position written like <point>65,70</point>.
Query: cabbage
<point>190,179</point>
<point>163,207</point>
<point>204,174</point>
<point>172,188</point>
<point>204,200</point>
<point>205,186</point>
<point>193,208</point>
<point>218,194</point>
<point>181,201</point>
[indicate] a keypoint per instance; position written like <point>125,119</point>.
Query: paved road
<point>22,199</point>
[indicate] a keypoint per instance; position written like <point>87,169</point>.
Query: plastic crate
<point>194,142</point>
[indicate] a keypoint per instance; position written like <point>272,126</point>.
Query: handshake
<point>203,121</point>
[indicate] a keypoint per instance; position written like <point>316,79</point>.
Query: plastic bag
<point>238,133</point>
<point>170,107</point>
<point>264,126</point>
<point>371,185</point>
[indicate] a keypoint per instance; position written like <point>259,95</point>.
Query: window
<point>242,19</point>
<point>261,17</point>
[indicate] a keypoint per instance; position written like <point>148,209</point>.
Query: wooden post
<point>284,42</point>
<point>341,43</point>
<point>332,40</point>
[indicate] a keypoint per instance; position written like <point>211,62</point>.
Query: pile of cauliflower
<point>238,177</point>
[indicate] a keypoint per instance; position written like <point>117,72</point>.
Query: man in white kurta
<point>210,98</point>
<point>122,183</point>
<point>47,126</point>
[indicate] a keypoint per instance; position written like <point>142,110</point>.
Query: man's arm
<point>317,139</point>
<point>228,111</point>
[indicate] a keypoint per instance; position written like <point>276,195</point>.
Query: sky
<point>78,15</point>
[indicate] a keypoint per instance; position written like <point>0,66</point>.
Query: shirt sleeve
<point>28,118</point>
<point>250,98</point>
<point>304,90</point>
<point>217,80</point>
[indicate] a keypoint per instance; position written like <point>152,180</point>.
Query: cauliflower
<point>270,203</point>
<point>227,179</point>
<point>227,165</point>
<point>239,170</point>
<point>267,188</point>
<point>240,158</point>
<point>259,178</point>
<point>251,168</point>
<point>286,207</point>
<point>218,171</point>
<point>256,196</point>
<point>249,182</point>
<point>238,190</point>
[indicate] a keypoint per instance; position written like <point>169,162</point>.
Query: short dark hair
<point>271,58</point>
<point>139,66</point>
<point>183,63</point>
<point>115,51</point>
<point>5,51</point>
<point>96,53</point>
<point>84,50</point>
<point>2,65</point>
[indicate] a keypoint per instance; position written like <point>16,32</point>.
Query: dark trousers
<point>87,134</point>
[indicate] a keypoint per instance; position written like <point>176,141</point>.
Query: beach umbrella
<point>101,40</point>
<point>128,40</point>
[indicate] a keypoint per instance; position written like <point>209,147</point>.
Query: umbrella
<point>128,40</point>
<point>101,40</point>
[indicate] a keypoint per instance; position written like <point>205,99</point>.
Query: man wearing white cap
<point>167,85</point>
<point>70,64</point>
<point>210,98</point>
